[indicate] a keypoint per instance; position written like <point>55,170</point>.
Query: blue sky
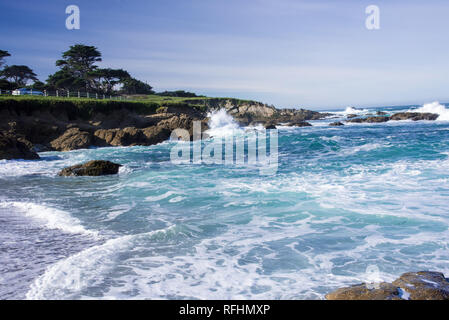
<point>316,54</point>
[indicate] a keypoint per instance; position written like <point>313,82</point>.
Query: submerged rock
<point>336,124</point>
<point>422,285</point>
<point>12,147</point>
<point>91,168</point>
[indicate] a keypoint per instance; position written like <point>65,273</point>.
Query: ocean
<point>350,204</point>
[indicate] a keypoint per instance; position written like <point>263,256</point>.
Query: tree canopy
<point>79,60</point>
<point>104,80</point>
<point>19,74</point>
<point>178,93</point>
<point>3,55</point>
<point>78,71</point>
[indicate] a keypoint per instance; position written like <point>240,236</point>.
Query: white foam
<point>434,107</point>
<point>50,217</point>
<point>160,197</point>
<point>222,124</point>
<point>352,110</point>
<point>68,277</point>
<point>403,294</point>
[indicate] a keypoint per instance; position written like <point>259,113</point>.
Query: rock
<point>422,285</point>
<point>336,124</point>
<point>12,147</point>
<point>370,120</point>
<point>72,139</point>
<point>299,124</point>
<point>350,116</point>
<point>381,113</point>
<point>383,291</point>
<point>269,125</point>
<point>91,168</point>
<point>415,116</point>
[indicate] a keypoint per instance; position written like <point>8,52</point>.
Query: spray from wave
<point>434,107</point>
<point>222,124</point>
<point>351,110</point>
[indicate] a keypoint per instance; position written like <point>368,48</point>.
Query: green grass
<point>87,107</point>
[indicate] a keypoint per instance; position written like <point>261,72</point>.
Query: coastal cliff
<point>36,124</point>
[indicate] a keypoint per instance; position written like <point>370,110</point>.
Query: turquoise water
<point>343,199</point>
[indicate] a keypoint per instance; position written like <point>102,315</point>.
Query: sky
<point>289,53</point>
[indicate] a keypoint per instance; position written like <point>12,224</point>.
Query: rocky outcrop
<point>91,168</point>
<point>415,116</point>
<point>336,124</point>
<point>12,147</point>
<point>350,116</point>
<point>423,285</point>
<point>246,112</point>
<point>65,127</point>
<point>369,120</point>
<point>72,139</point>
<point>382,291</point>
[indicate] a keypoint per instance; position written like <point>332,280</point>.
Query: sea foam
<point>434,107</point>
<point>68,277</point>
<point>50,217</point>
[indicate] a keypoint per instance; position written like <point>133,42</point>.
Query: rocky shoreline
<point>422,285</point>
<point>27,129</point>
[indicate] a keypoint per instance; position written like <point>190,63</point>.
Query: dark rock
<point>72,139</point>
<point>370,120</point>
<point>423,285</point>
<point>415,116</point>
<point>91,168</point>
<point>12,147</point>
<point>299,124</point>
<point>350,116</point>
<point>270,125</point>
<point>336,124</point>
<point>381,113</point>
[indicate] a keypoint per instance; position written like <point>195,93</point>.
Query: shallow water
<point>344,199</point>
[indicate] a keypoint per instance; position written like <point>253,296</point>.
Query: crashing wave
<point>434,107</point>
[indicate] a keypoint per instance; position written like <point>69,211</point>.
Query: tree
<point>134,86</point>
<point>19,74</point>
<point>104,80</point>
<point>39,85</point>
<point>178,93</point>
<point>6,85</point>
<point>3,54</point>
<point>79,60</point>
<point>64,79</point>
